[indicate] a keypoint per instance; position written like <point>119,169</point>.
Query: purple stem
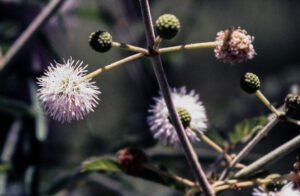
<point>165,89</point>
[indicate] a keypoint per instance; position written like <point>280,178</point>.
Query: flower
<point>64,93</point>
<point>234,46</point>
<point>132,160</point>
<point>191,113</point>
<point>286,190</point>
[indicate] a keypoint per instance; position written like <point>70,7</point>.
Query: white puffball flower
<point>64,92</point>
<point>160,123</point>
<point>286,190</point>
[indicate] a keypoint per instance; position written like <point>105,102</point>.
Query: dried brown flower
<point>132,160</point>
<point>234,46</point>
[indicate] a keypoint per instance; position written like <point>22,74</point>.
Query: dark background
<point>127,91</point>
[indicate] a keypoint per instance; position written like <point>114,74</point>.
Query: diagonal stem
<point>165,89</point>
<point>262,133</point>
<point>31,30</point>
<point>113,65</point>
<point>276,154</point>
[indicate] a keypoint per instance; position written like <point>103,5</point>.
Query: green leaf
<point>111,164</point>
<point>244,130</point>
<point>101,164</point>
<point>63,181</point>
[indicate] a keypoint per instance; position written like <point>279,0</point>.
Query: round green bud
<point>100,41</point>
<point>184,116</point>
<point>276,185</point>
<point>250,83</point>
<point>167,26</point>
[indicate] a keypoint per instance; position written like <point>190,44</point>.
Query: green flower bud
<point>276,185</point>
<point>184,116</point>
<point>167,26</point>
<point>100,41</point>
<point>250,83</point>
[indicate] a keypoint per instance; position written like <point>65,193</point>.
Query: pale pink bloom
<point>65,94</point>
<point>234,46</point>
<point>286,190</point>
<point>159,121</point>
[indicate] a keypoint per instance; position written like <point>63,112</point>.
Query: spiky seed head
<point>250,83</point>
<point>167,26</point>
<point>100,41</point>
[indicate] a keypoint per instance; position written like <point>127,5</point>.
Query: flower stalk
<point>266,102</point>
<point>113,65</point>
<point>212,144</point>
<point>188,47</point>
<point>165,89</point>
<point>130,47</point>
<point>157,42</point>
<point>228,184</point>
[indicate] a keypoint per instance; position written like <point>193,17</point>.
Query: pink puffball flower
<point>64,92</point>
<point>234,46</point>
<point>186,102</point>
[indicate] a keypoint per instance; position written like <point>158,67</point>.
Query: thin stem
<point>113,65</point>
<point>188,47</point>
<point>212,144</point>
<point>267,103</point>
<point>235,183</point>
<point>165,89</point>
<point>276,154</point>
<point>262,133</point>
<point>297,122</point>
<point>31,30</point>
<point>157,42</point>
<point>164,173</point>
<point>130,47</point>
